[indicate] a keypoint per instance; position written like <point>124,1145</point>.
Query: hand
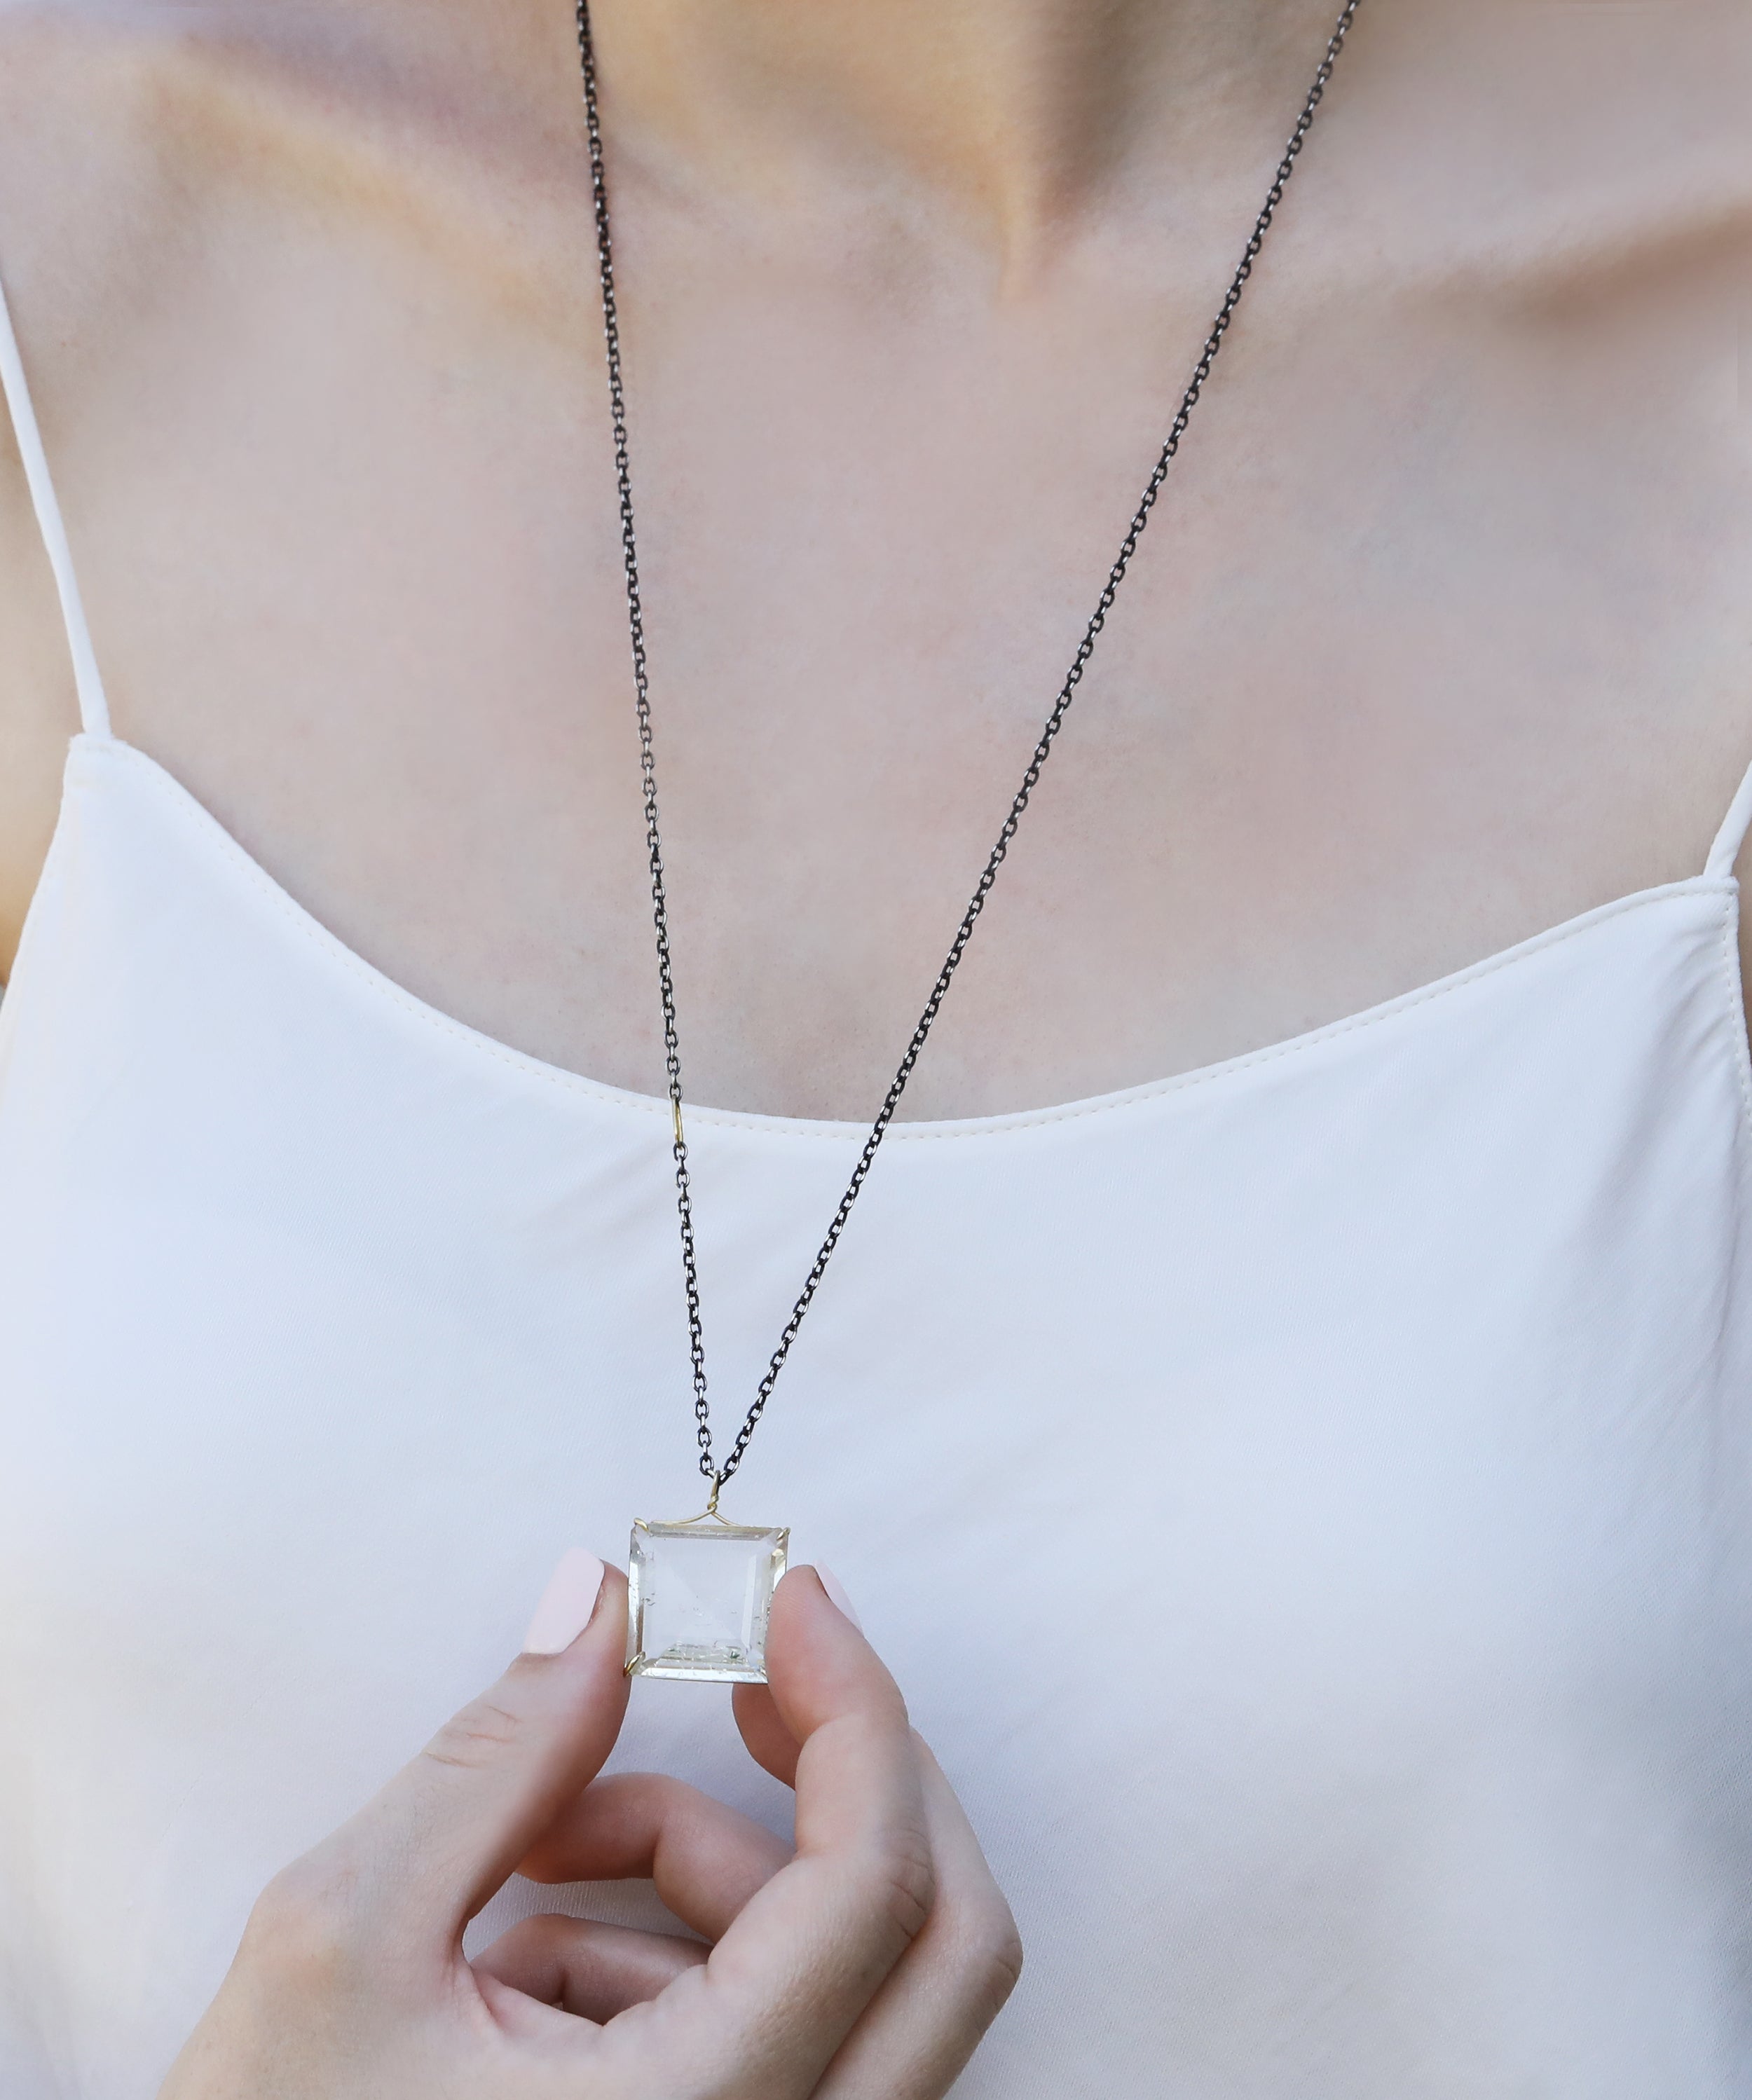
<point>867,1964</point>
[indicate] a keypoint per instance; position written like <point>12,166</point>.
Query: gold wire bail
<point>717,1482</point>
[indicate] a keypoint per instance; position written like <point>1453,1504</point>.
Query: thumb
<point>446,1831</point>
<point>818,1666</point>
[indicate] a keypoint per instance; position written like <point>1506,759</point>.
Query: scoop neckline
<point>836,1130</point>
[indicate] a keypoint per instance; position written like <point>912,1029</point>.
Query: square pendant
<point>699,1592</point>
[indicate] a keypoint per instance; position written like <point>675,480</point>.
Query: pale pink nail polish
<point>567,1602</point>
<point>836,1595</point>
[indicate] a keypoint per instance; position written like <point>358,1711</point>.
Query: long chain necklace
<point>700,1587</point>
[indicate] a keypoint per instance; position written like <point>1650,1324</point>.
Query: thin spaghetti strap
<point>1732,835</point>
<point>94,709</point>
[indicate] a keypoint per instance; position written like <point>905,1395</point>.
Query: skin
<point>864,1965</point>
<point>1443,633</point>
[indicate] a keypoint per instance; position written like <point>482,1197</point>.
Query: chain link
<point>1213,343</point>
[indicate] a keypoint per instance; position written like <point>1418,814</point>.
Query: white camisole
<point>1308,1501</point>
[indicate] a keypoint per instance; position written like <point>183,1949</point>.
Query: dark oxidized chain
<point>1213,342</point>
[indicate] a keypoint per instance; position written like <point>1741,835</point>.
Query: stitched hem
<point>114,750</point>
<point>1736,1008</point>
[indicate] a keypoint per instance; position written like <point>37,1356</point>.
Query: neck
<point>1015,117</point>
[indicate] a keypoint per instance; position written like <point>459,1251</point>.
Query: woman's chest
<point>1306,1508</point>
<point>1434,638</point>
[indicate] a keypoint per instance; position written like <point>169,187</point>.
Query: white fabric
<point>1309,1501</point>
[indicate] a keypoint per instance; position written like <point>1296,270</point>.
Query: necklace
<point>701,1587</point>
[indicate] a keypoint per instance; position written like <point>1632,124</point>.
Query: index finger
<point>788,1981</point>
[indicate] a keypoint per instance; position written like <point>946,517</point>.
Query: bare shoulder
<point>76,180</point>
<point>130,135</point>
<point>123,129</point>
<point>1550,145</point>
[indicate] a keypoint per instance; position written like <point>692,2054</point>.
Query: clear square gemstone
<point>700,1592</point>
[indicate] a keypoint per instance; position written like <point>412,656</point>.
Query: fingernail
<point>567,1602</point>
<point>836,1595</point>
